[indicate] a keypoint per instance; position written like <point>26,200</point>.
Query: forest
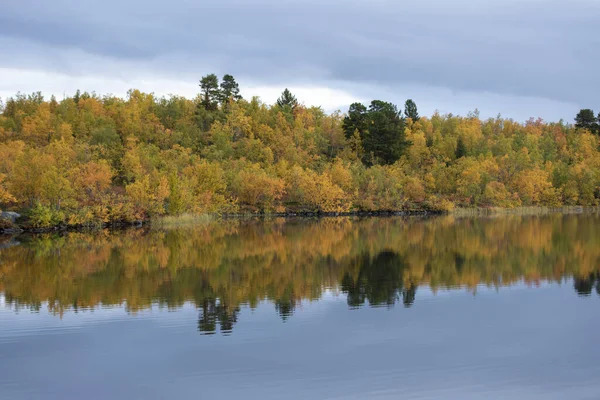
<point>91,160</point>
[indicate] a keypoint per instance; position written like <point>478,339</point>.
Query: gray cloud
<point>528,48</point>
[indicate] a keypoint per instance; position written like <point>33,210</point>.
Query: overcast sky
<point>520,58</point>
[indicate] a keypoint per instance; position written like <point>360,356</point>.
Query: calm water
<point>439,308</point>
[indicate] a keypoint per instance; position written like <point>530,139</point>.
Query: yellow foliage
<point>255,188</point>
<point>91,158</point>
<point>341,175</point>
<point>148,195</point>
<point>9,152</point>
<point>91,180</point>
<point>38,129</point>
<point>319,190</point>
<point>496,194</point>
<point>469,183</point>
<point>208,186</point>
<point>5,196</point>
<point>531,185</point>
<point>414,190</point>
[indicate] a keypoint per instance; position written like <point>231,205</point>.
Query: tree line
<point>92,160</point>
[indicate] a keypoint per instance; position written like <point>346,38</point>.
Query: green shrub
<point>45,217</point>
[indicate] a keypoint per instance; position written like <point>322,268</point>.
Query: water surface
<point>427,308</point>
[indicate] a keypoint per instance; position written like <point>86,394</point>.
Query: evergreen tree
<point>287,100</point>
<point>429,141</point>
<point>229,89</point>
<point>385,140</point>
<point>211,94</point>
<point>356,120</point>
<point>461,148</point>
<point>410,110</point>
<point>586,119</point>
<point>381,131</point>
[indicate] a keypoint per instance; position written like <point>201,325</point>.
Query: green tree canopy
<point>381,130</point>
<point>461,148</point>
<point>586,119</point>
<point>287,100</point>
<point>356,120</point>
<point>211,94</point>
<point>229,89</point>
<point>410,110</point>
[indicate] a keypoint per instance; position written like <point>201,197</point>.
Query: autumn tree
<point>5,196</point>
<point>88,160</point>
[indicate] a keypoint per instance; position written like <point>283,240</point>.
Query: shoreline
<point>185,219</point>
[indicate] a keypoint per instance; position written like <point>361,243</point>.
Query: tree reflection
<point>221,266</point>
<point>285,305</point>
<point>585,285</point>
<point>214,314</point>
<point>379,280</point>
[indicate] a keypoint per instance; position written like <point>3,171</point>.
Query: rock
<point>11,231</point>
<point>9,215</point>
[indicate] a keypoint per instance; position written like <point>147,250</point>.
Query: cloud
<point>511,54</point>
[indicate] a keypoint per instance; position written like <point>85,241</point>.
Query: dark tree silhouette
<point>379,281</point>
<point>461,148</point>
<point>211,94</point>
<point>287,100</point>
<point>586,119</point>
<point>229,89</point>
<point>214,313</point>
<point>381,129</point>
<point>356,120</point>
<point>584,285</point>
<point>410,110</point>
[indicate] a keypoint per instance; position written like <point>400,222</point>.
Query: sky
<point>517,58</point>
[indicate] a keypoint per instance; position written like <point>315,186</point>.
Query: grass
<point>533,210</point>
<point>170,221</point>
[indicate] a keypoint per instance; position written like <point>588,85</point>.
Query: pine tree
<point>586,119</point>
<point>210,92</point>
<point>385,139</point>
<point>287,100</point>
<point>356,120</point>
<point>380,128</point>
<point>229,89</point>
<point>410,110</point>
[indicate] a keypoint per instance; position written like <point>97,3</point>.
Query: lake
<point>333,308</point>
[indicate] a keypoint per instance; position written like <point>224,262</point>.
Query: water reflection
<point>215,314</point>
<point>585,285</point>
<point>380,281</point>
<point>223,265</point>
